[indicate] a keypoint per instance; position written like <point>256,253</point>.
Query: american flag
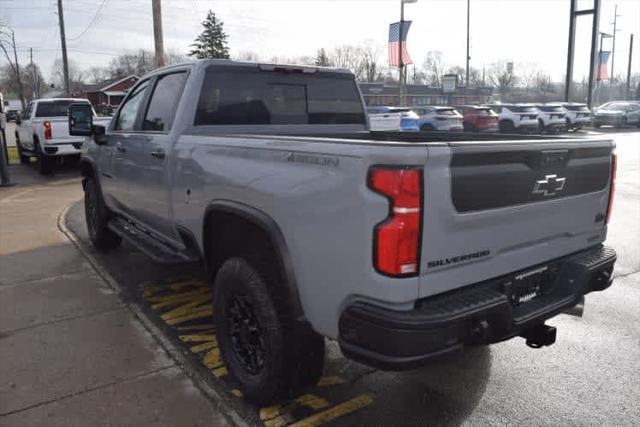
<point>396,43</point>
<point>603,71</point>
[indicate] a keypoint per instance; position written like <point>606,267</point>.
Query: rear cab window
<point>54,108</point>
<point>245,96</point>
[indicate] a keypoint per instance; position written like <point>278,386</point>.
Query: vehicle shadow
<point>445,392</point>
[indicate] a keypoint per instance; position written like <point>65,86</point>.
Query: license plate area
<point>532,284</point>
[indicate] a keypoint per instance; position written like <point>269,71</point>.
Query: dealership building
<point>388,94</point>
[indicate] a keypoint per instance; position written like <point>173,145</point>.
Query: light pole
<point>400,62</point>
<point>466,79</point>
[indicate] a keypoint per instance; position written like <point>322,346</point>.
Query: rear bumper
<point>478,314</point>
<point>64,149</point>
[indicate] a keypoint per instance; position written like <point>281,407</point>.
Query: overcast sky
<point>523,31</point>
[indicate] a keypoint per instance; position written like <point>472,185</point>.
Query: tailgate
<point>494,208</point>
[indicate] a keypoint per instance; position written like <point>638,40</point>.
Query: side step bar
<point>155,249</point>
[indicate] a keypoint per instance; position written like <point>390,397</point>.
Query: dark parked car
<point>12,115</point>
<point>478,119</point>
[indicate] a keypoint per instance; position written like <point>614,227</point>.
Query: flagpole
<point>400,64</point>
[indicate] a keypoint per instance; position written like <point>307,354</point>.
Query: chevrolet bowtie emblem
<point>549,186</point>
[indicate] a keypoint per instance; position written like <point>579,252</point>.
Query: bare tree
<point>247,55</point>
<point>433,68</point>
<point>371,61</point>
<point>8,42</point>
<point>502,77</point>
<point>460,72</point>
<point>322,59</point>
<point>76,76</point>
<point>97,74</point>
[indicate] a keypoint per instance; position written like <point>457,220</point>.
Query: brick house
<point>109,94</point>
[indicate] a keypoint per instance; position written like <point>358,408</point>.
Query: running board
<point>155,249</point>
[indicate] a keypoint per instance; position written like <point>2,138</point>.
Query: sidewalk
<point>70,352</point>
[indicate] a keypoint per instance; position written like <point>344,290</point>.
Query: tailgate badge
<point>549,186</point>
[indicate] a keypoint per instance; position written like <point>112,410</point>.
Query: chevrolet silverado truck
<point>399,246</point>
<point>42,132</point>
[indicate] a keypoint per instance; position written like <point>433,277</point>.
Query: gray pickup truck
<point>401,247</point>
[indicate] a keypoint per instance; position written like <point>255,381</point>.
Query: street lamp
<point>400,63</point>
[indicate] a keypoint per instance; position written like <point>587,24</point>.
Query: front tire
<point>506,126</point>
<point>97,218</point>
<point>269,355</point>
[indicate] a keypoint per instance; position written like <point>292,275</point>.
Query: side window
<point>164,102</point>
<point>129,110</point>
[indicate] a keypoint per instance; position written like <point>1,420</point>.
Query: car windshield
<point>551,108</point>
<point>54,108</point>
<point>616,106</point>
<point>484,112</point>
<point>576,107</point>
<point>446,112</point>
<point>521,108</point>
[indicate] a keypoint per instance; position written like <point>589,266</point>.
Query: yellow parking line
<point>237,393</point>
<point>205,312</point>
<point>275,422</point>
<point>220,372</point>
<point>185,309</point>
<point>212,359</point>
<point>204,346</point>
<point>165,300</point>
<point>197,338</point>
<point>335,412</point>
<point>312,401</point>
<point>202,327</point>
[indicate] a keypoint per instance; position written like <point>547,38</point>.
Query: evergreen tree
<point>212,42</point>
<point>322,59</point>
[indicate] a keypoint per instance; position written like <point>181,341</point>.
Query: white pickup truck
<point>42,131</point>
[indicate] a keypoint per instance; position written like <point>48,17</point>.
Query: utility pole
<point>466,80</point>
<point>18,77</point>
<point>157,32</point>
<point>63,43</point>
<point>613,47</point>
<point>594,44</point>
<point>34,83</point>
<point>628,93</point>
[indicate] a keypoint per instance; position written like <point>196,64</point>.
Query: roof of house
<point>104,85</point>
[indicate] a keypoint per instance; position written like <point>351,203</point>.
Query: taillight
<point>47,129</point>
<point>612,189</point>
<point>397,239</point>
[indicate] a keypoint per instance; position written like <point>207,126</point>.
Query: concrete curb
<point>229,413</point>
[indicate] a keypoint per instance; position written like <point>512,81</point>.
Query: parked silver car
<point>438,118</point>
<point>617,113</point>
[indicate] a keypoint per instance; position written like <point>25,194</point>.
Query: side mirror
<point>80,119</point>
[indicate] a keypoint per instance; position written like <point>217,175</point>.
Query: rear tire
<point>427,128</point>
<point>45,163</point>
<point>541,126</point>
<point>265,349</point>
<point>506,126</point>
<point>97,217</point>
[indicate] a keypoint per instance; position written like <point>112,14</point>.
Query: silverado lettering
<point>457,259</point>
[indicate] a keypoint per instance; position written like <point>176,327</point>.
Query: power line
<point>90,23</point>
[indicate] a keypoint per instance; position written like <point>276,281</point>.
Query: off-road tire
<point>97,217</point>
<point>45,163</point>
<point>292,354</point>
<point>24,158</point>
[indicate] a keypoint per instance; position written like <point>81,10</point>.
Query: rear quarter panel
<point>316,192</point>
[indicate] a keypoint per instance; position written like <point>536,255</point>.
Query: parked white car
<point>42,131</point>
<point>516,117</point>
<point>576,115</point>
<point>438,118</point>
<point>551,118</point>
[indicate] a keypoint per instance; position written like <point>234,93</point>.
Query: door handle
<point>158,154</point>
<point>120,147</point>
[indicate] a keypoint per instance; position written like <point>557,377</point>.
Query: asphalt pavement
<point>588,377</point>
